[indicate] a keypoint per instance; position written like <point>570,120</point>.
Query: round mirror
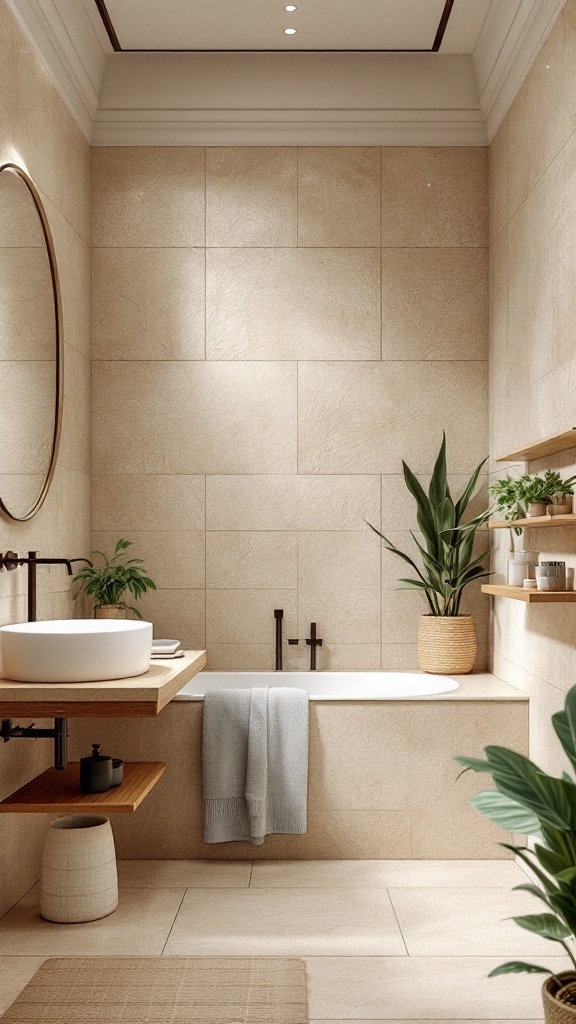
<point>30,348</point>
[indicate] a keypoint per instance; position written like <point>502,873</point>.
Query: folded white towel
<point>255,763</point>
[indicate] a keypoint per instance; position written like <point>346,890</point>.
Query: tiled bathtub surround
<point>532,360</point>
<point>274,329</point>
<point>373,768</point>
<point>38,132</point>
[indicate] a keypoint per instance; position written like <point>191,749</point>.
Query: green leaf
<point>550,799</point>
<point>546,925</point>
<point>438,481</point>
<point>506,812</point>
<point>464,499</point>
<point>474,764</point>
<point>518,967</point>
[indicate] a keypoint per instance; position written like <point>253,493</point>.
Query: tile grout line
<point>174,922</point>
<point>397,922</point>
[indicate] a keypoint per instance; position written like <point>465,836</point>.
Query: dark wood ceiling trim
<point>443,25</point>
<point>107,21</point>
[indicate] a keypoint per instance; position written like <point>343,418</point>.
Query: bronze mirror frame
<point>5,512</point>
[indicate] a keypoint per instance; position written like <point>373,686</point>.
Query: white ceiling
<point>455,97</point>
<point>319,24</point>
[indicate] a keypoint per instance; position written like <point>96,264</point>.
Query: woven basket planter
<point>555,1010</point>
<point>447,645</point>
<point>78,879</point>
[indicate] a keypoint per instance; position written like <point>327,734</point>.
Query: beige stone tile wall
<point>274,329</point>
<point>532,355</point>
<point>382,782</point>
<point>36,130</point>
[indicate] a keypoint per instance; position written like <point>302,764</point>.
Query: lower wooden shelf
<point>59,792</point>
<point>530,596</point>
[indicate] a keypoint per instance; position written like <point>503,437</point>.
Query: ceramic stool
<point>78,880</point>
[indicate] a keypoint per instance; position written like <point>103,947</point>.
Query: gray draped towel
<point>254,763</point>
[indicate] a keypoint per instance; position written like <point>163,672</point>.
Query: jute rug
<point>164,990</point>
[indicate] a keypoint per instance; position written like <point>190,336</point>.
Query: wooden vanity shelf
<point>59,792</point>
<point>530,596</point>
<point>535,523</point>
<point>543,448</point>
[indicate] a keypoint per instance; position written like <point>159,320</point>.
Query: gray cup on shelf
<point>117,772</point>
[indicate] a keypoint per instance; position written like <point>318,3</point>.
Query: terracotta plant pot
<point>563,1010</point>
<point>447,645</point>
<point>78,879</point>
<point>111,611</point>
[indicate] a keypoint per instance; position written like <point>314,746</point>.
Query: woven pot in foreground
<point>563,1010</point>
<point>447,644</point>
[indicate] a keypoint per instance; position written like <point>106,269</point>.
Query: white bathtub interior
<point>327,685</point>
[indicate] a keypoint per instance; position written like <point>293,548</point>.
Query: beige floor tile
<point>466,922</point>
<point>420,988</point>
<point>15,973</point>
<point>139,927</point>
<point>301,922</point>
<point>178,874</point>
<point>376,874</point>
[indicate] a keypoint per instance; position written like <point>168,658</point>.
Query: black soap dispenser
<point>95,772</point>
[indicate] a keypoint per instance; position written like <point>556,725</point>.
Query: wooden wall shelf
<point>536,522</point>
<point>530,596</point>
<point>542,448</point>
<point>59,792</point>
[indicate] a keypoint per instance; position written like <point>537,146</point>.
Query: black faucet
<point>11,561</point>
<point>59,733</point>
<point>278,615</point>
<point>313,642</point>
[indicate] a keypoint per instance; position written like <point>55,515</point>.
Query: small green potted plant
<point>447,641</point>
<point>560,492</point>
<point>529,802</point>
<point>109,581</point>
<point>533,495</point>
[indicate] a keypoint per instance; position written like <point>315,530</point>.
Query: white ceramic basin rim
<point>75,650</point>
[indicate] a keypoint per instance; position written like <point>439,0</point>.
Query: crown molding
<point>71,50</point>
<point>290,128</point>
<point>511,39</point>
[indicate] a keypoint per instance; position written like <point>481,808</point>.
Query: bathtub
<point>326,685</point>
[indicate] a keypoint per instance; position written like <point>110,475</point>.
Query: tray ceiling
<point>320,25</point>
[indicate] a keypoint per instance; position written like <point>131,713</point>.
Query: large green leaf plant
<point>528,801</point>
<point>447,560</point>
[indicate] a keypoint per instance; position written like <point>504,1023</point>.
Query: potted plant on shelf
<point>447,640</point>
<point>528,801</point>
<point>110,581</point>
<point>533,496</point>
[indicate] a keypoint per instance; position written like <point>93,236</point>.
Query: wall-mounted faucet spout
<point>11,561</point>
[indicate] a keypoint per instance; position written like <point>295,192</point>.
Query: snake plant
<point>528,801</point>
<point>447,560</point>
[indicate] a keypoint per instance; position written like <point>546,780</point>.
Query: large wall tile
<point>194,417</point>
<point>174,559</point>
<point>147,502</point>
<point>247,616</point>
<point>291,502</point>
<point>148,303</point>
<point>498,181</point>
<point>433,196</point>
<point>434,303</point>
<point>251,196</point>
<point>338,195</point>
<point>365,417</point>
<point>543,117</point>
<point>339,586</point>
<point>148,196</point>
<point>251,560</point>
<point>293,304</point>
<point>177,613</point>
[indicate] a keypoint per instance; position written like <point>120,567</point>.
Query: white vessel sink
<point>75,650</point>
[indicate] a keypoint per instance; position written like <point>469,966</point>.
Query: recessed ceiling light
<point>289,31</point>
<point>290,8</point>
